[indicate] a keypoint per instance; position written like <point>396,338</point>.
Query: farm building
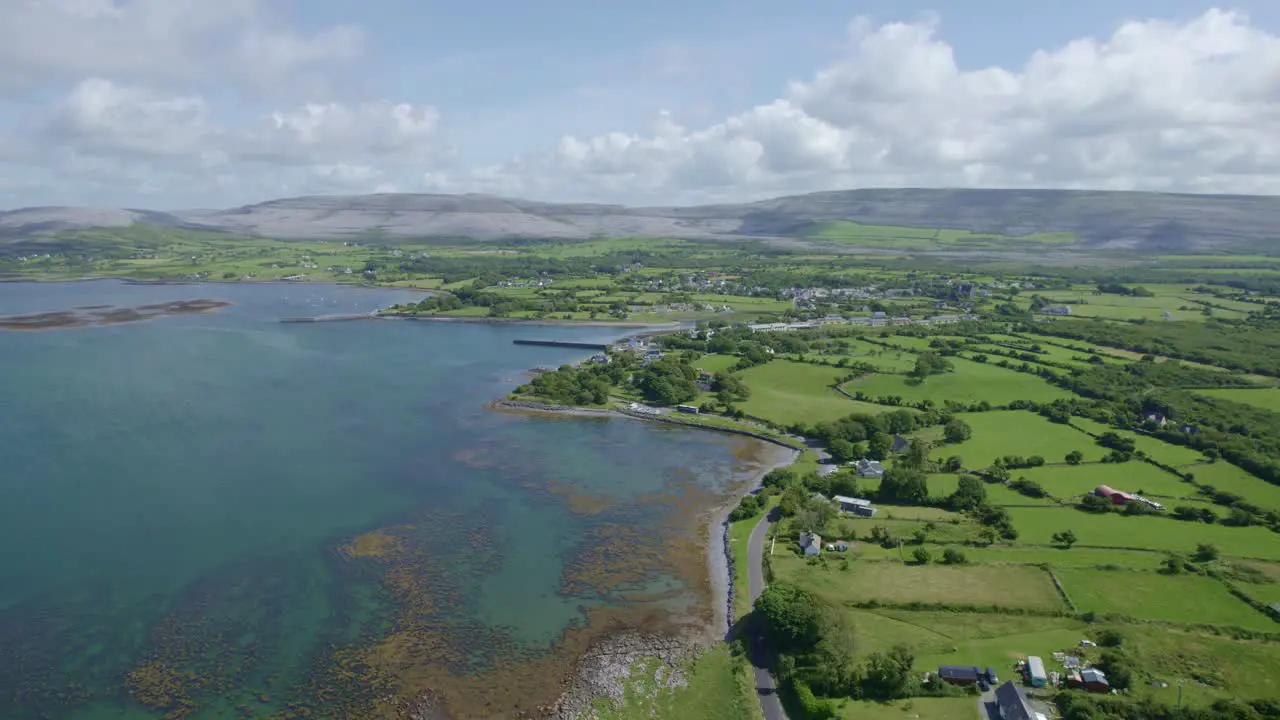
<point>1149,503</point>
<point>811,543</point>
<point>1115,496</point>
<point>959,674</point>
<point>1036,676</point>
<point>1011,705</point>
<point>1090,679</point>
<point>687,409</point>
<point>1056,310</point>
<point>870,469</point>
<point>857,506</point>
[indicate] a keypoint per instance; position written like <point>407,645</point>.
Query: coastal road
<point>766,689</point>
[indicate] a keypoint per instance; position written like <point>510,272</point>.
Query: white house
<point>811,543</point>
<point>870,469</point>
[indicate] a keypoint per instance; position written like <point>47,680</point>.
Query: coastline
<point>603,671</point>
<point>719,553</point>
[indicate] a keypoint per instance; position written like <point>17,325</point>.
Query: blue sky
<point>171,103</point>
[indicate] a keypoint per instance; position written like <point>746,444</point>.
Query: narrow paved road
<point>766,690</point>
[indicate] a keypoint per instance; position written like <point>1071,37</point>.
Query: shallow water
<point>220,515</point>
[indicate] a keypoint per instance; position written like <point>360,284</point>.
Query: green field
<point>1077,354</point>
<point>1065,481</point>
<point>1017,432</point>
<point>911,342</point>
<point>1267,593</point>
<point>716,363</point>
<point>1150,596</point>
<point>887,359</point>
<point>892,582</point>
<point>1181,305</point>
<point>1225,476</point>
<point>971,382</point>
<point>1229,668</point>
<point>913,238</point>
<point>1155,448</point>
<point>912,709</point>
<point>1037,525</point>
<point>788,392</point>
<point>1265,398</point>
<point>1085,557</point>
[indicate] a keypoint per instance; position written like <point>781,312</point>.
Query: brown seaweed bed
<point>89,315</point>
<point>439,663</point>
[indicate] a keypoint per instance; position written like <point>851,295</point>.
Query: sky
<point>175,104</point>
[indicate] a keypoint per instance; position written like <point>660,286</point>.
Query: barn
<point>1115,496</point>
<point>961,675</point>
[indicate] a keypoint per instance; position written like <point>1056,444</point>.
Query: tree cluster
<point>669,380</point>
<point>584,385</point>
<point>929,363</point>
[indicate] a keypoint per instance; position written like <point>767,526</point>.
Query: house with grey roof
<point>811,543</point>
<point>1011,704</point>
<point>870,469</point>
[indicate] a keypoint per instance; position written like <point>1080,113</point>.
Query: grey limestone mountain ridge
<point>1099,219</point>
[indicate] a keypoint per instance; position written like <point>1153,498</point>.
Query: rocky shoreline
<point>602,672</point>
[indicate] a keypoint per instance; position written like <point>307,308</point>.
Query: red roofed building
<point>1115,496</point>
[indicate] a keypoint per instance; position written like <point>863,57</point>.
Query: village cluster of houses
<point>538,283</point>
<point>679,308</point>
<point>647,351</point>
<point>706,282</point>
<point>1011,703</point>
<point>811,543</point>
<point>1074,675</point>
<point>876,319</point>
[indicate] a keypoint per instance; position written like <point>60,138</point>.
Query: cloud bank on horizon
<point>178,103</point>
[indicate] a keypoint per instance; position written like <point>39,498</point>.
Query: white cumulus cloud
<point>1157,105</point>
<point>226,100</point>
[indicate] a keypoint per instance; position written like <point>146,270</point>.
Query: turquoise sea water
<point>174,494</point>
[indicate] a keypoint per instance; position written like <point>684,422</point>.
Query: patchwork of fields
<point>1030,593</point>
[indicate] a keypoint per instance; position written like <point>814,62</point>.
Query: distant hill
<point>911,218</point>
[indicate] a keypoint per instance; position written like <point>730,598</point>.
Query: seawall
<point>564,344</point>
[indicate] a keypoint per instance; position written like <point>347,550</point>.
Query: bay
<point>220,515</point>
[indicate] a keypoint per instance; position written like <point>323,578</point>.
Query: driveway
<point>987,709</point>
<point>766,689</point>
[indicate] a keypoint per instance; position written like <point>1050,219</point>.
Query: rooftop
<point>1013,706</point>
<point>843,500</point>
